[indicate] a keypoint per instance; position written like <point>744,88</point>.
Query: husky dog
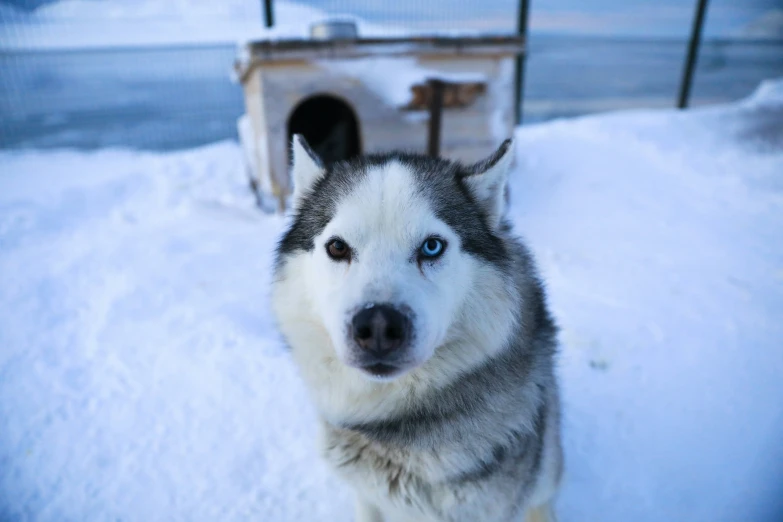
<point>421,329</point>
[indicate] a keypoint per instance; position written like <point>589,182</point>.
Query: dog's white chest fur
<point>405,485</point>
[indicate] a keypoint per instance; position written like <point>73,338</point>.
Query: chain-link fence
<point>155,74</point>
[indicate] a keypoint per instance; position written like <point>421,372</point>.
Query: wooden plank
<point>271,51</point>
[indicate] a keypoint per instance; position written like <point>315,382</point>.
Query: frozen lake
<point>178,97</point>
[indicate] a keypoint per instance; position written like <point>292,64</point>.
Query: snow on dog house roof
<point>350,95</point>
<point>292,49</point>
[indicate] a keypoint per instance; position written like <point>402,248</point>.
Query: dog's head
<point>383,252</point>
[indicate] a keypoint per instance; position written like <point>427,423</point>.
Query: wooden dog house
<point>353,95</point>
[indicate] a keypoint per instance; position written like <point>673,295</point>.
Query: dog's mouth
<point>378,368</point>
<point>381,370</point>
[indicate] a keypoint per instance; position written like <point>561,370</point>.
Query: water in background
<point>171,98</point>
<point>143,98</point>
<point>573,76</point>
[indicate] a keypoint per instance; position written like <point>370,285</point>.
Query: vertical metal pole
<point>519,80</point>
<point>436,115</point>
<point>693,52</point>
<point>269,15</point>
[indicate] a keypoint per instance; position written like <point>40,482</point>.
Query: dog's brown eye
<point>338,250</point>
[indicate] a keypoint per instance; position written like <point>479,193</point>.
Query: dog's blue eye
<point>432,247</point>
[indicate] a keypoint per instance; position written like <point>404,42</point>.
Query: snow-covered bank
<point>141,378</point>
<point>661,238</point>
<point>79,24</point>
<point>84,24</point>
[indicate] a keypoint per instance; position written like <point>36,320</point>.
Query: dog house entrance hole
<point>329,125</point>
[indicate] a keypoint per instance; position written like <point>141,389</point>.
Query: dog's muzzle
<point>382,334</point>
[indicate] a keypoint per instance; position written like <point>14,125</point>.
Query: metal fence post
<point>519,80</point>
<point>693,52</point>
<point>269,15</point>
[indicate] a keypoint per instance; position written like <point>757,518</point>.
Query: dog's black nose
<point>380,329</point>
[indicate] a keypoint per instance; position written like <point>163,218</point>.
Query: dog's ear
<point>487,179</point>
<point>307,168</point>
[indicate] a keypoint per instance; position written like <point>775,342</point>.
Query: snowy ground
<point>141,378</point>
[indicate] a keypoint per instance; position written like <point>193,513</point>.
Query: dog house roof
<point>300,49</point>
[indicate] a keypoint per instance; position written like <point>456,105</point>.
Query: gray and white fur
<point>420,327</point>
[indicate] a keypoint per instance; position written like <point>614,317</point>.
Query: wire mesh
<point>170,93</point>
